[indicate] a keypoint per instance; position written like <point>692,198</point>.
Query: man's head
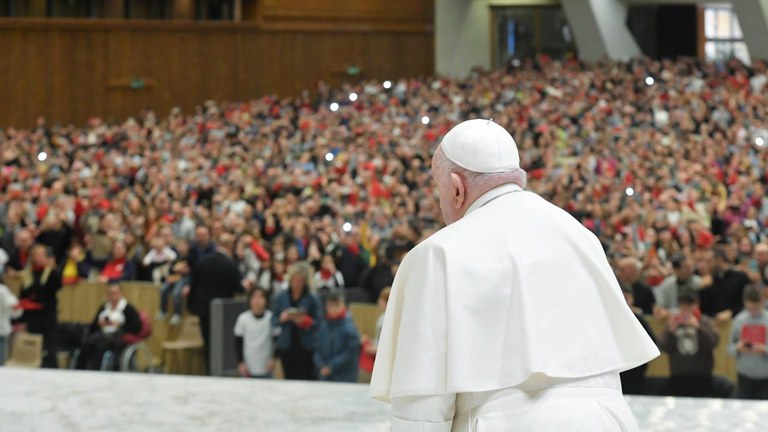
<point>23,239</point>
<point>629,270</point>
<point>753,301</point>
<point>687,301</point>
<point>721,262</point>
<point>202,235</point>
<point>761,254</point>
<point>473,158</point>
<point>682,267</point>
<point>114,293</point>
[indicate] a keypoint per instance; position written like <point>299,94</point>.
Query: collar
<point>492,194</point>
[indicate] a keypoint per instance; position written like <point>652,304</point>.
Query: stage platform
<point>43,400</point>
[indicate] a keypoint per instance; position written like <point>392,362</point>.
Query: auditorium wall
<point>68,70</point>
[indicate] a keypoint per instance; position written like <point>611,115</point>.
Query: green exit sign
<point>136,84</point>
<point>353,70</point>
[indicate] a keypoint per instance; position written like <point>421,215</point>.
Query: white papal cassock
<point>508,319</point>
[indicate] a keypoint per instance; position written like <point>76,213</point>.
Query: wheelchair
<point>135,356</point>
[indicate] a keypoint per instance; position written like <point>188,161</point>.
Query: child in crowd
<point>254,342</point>
<point>371,346</point>
<point>174,284</point>
<point>749,337</point>
<point>328,279</point>
<point>338,343</point>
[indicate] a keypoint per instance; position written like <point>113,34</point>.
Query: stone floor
<point>40,400</point>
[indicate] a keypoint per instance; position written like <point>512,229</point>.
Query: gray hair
<point>517,176</point>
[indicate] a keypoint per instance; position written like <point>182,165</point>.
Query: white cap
<point>481,146</point>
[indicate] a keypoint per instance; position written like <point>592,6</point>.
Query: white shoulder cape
<point>515,287</point>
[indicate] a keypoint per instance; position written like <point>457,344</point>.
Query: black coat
<point>131,325</point>
<point>214,276</point>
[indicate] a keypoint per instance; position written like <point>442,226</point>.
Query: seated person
<point>338,343</point>
<point>116,318</point>
<point>690,339</point>
<point>119,267</point>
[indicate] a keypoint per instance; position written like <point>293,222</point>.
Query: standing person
<point>297,313</point>
<point>682,281</point>
<point>215,275</point>
<point>41,281</point>
<point>9,309</point>
<point>338,343</point>
<point>629,272</point>
<point>749,337</point>
<point>722,298</point>
<point>327,278</point>
<point>690,339</point>
<point>254,345</point>
<point>511,314</point>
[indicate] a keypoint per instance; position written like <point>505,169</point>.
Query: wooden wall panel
<point>69,70</point>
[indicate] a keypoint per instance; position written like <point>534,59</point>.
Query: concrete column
<point>753,18</point>
<point>462,36</point>
<point>599,28</point>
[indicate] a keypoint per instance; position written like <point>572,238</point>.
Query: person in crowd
<point>19,255</point>
<point>76,266</point>
<point>381,275</point>
<point>254,337</point>
<point>722,297</point>
<point>175,283</point>
<point>158,260</point>
<point>327,278</point>
<point>214,275</point>
<point>9,310</point>
<point>119,267</point>
<point>247,261</point>
<point>41,281</point>
<point>689,339</point>
<point>749,338</point>
<point>629,272</point>
<point>338,343</point>
<point>114,319</point>
<point>370,345</point>
<point>297,312</point>
<point>202,246</point>
<point>682,280</point>
<point>634,381</point>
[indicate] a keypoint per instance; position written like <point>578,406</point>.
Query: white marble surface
<point>40,400</point>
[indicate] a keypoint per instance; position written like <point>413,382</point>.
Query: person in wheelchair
<point>112,321</point>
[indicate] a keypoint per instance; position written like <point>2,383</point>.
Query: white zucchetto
<point>481,146</point>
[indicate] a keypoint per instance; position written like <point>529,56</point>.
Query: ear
<point>458,191</point>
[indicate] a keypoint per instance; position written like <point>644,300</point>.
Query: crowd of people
<point>665,161</point>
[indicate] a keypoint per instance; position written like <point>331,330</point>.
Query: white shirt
<point>7,303</point>
<point>515,289</point>
<point>258,345</point>
<point>115,315</point>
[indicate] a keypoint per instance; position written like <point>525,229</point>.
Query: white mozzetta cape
<point>515,287</point>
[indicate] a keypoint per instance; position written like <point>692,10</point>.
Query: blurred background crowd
<point>665,161</point>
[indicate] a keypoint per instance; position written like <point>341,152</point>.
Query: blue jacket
<point>309,303</point>
<point>338,346</point>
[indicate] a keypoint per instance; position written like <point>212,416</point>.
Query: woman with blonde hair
<point>297,313</point>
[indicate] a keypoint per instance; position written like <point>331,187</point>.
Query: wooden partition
<point>70,70</point>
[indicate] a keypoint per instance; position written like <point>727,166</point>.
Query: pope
<point>510,317</point>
